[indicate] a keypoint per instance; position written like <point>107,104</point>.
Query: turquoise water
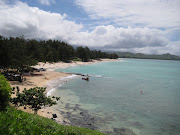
<point>113,93</point>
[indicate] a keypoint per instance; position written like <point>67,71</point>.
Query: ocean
<point>132,96</point>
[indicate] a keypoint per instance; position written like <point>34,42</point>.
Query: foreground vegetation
<point>5,90</point>
<point>13,121</point>
<point>146,56</point>
<point>18,122</point>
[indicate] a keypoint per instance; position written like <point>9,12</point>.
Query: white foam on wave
<point>52,85</point>
<point>50,92</point>
<point>51,69</point>
<point>71,76</point>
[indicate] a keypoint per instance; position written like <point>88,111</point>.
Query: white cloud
<point>20,19</point>
<point>116,38</point>
<point>152,13</point>
<point>47,2</point>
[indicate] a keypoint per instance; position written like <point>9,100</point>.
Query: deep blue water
<point>113,93</point>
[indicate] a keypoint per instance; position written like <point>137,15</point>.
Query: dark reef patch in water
<point>137,124</point>
<point>121,131</point>
<point>81,118</point>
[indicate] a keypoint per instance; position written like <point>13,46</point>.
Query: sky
<point>138,26</point>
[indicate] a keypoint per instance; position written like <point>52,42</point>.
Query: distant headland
<point>166,56</point>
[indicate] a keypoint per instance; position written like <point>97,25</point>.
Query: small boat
<point>87,79</point>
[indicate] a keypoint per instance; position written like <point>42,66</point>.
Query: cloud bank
<point>152,13</point>
<point>20,19</point>
<point>116,38</point>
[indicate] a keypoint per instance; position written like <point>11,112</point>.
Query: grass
<point>17,122</point>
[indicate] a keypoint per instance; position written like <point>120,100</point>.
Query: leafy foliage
<point>35,98</point>
<point>18,122</point>
<point>19,53</point>
<point>5,90</point>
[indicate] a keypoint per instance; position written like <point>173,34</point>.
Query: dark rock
<point>54,115</point>
<point>64,121</point>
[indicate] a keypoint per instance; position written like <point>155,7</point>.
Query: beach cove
<point>50,79</point>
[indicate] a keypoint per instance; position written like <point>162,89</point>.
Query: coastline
<point>40,81</point>
<point>46,80</point>
<point>61,65</point>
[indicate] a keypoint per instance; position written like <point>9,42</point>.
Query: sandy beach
<point>48,76</point>
<point>39,81</point>
<point>54,66</point>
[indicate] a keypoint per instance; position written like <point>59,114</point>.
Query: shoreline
<point>62,65</point>
<point>40,81</point>
<point>46,80</point>
<point>53,84</point>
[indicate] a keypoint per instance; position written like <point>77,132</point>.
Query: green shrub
<point>5,90</point>
<point>35,98</point>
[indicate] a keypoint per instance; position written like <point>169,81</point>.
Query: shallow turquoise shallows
<point>143,95</point>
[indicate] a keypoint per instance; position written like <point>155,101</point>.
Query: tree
<point>19,53</point>
<point>81,53</point>
<point>33,98</point>
<point>5,90</point>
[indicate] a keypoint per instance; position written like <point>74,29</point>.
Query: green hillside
<point>147,56</point>
<point>14,122</point>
